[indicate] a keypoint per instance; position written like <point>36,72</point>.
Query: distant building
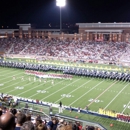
<point>105,31</point>
<point>87,31</point>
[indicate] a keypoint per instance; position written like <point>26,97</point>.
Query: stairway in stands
<point>8,52</point>
<point>25,48</point>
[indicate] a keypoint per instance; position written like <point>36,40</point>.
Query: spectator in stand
<point>28,117</point>
<point>38,117</point>
<point>37,122</point>
<point>75,126</point>
<point>28,125</point>
<point>41,127</point>
<point>63,125</point>
<point>79,126</point>
<point>1,112</point>
<point>21,118</point>
<point>71,50</point>
<point>91,128</point>
<point>52,125</point>
<point>13,111</point>
<point>7,121</point>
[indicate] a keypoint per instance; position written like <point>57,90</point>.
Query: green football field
<point>78,92</point>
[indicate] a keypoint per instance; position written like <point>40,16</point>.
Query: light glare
<point>61,3</point>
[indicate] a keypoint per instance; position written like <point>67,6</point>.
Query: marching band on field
<point>94,73</point>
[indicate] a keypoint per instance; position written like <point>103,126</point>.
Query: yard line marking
<point>75,89</point>
<point>47,88</point>
<point>101,94</point>
<point>2,70</point>
<point>125,107</point>
<point>11,76</point>
<point>11,80</point>
<point>11,85</point>
<point>8,73</point>
<point>116,96</point>
<point>60,89</point>
<point>30,89</point>
<point>86,93</point>
<point>16,89</point>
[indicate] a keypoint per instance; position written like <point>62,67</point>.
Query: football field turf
<point>78,92</point>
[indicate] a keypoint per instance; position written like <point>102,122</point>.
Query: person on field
<point>60,107</point>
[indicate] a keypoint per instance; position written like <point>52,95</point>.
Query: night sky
<point>43,12</point>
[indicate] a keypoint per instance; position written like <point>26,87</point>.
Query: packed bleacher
<point>72,49</point>
<point>13,119</point>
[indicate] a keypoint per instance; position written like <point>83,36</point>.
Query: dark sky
<point>43,12</point>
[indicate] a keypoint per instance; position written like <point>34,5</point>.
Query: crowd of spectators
<point>13,119</point>
<point>72,49</point>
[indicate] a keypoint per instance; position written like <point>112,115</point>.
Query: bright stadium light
<point>60,3</point>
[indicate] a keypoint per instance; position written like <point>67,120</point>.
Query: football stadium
<point>53,80</point>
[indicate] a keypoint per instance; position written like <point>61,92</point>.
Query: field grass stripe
<point>10,76</point>
<point>101,94</point>
<point>75,89</point>
<point>8,73</point>
<point>116,96</point>
<point>10,80</point>
<point>125,107</point>
<point>60,89</point>
<point>31,89</point>
<point>11,85</point>
<point>22,86</point>
<point>86,93</point>
<point>3,71</point>
<point>46,88</point>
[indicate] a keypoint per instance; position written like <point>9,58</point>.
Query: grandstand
<point>35,71</point>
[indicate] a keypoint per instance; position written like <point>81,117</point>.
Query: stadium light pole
<point>60,3</point>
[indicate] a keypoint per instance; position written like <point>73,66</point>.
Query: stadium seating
<point>27,121</point>
<point>73,49</point>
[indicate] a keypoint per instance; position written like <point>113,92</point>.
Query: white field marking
<point>3,71</point>
<point>116,96</point>
<point>11,79</point>
<point>8,73</point>
<point>22,86</point>
<point>75,89</point>
<point>85,93</point>
<point>12,85</point>
<point>10,76</point>
<point>101,94</point>
<point>125,107</point>
<point>46,88</point>
<point>31,89</point>
<point>60,89</point>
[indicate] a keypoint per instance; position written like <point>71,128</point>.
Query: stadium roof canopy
<point>104,25</point>
<point>110,31</point>
<point>9,31</point>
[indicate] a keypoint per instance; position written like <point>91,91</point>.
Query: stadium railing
<point>84,122</point>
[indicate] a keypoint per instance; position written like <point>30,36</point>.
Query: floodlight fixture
<point>61,3</point>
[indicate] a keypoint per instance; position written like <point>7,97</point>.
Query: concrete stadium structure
<point>87,31</point>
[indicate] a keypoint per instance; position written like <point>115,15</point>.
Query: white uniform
<point>13,77</point>
<point>52,82</point>
<point>34,79</point>
<point>29,79</point>
<point>44,81</point>
<point>22,78</point>
<point>39,79</point>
